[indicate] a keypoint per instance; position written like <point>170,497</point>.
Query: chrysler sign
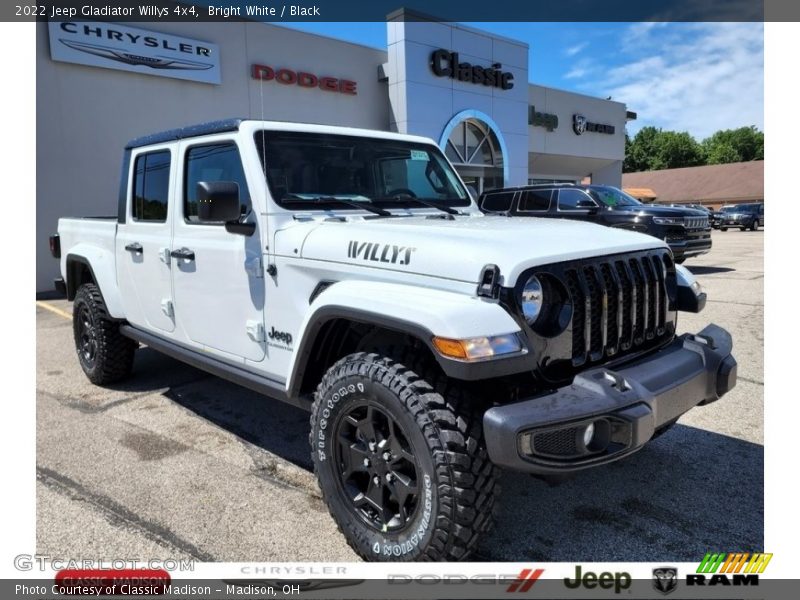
<point>113,46</point>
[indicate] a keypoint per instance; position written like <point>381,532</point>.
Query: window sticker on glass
<point>419,155</point>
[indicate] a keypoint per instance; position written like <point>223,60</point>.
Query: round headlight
<point>532,299</point>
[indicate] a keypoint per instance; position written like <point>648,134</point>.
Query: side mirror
<point>588,204</point>
<point>218,201</point>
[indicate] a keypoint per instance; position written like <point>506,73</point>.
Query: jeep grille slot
<point>619,305</point>
<point>578,317</point>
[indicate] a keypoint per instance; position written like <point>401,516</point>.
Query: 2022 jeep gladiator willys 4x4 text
<point>350,273</point>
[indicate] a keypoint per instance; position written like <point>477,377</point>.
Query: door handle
<point>135,247</point>
<point>183,253</point>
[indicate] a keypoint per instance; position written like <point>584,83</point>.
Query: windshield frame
<point>594,193</point>
<point>262,141</point>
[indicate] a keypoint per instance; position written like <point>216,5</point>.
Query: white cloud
<point>697,77</point>
<point>573,50</point>
<point>576,73</point>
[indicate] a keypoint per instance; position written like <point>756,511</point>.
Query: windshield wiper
<point>448,209</point>
<point>365,204</point>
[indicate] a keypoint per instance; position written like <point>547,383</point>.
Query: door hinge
<point>163,254</point>
<point>167,308</point>
<point>254,267</point>
<point>255,329</point>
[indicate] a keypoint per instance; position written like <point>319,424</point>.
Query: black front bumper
<point>544,435</point>
<point>691,244</point>
<point>746,221</point>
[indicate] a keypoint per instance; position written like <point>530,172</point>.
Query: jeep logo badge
<point>280,336</point>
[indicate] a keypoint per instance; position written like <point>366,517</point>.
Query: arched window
<point>473,143</point>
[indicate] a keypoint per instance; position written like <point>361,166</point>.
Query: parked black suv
<point>685,230</point>
<point>743,216</point>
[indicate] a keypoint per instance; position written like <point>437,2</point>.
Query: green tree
<point>734,145</point>
<point>640,150</point>
<point>652,149</point>
<point>676,150</point>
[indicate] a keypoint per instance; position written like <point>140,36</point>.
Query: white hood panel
<point>458,249</point>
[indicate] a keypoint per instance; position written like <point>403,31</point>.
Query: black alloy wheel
<point>377,466</point>
<point>86,337</point>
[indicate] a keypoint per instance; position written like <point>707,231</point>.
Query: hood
<point>662,211</point>
<point>459,249</point>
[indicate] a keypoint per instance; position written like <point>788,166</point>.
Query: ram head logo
<point>665,579</point>
<point>579,124</point>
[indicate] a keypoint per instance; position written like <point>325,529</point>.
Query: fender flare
<point>101,264</point>
<point>691,298</point>
<point>418,312</point>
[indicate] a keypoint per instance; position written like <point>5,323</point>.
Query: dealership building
<point>101,84</point>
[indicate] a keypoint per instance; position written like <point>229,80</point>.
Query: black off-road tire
<point>442,425</point>
<point>723,229</point>
<point>754,226</point>
<point>105,355</point>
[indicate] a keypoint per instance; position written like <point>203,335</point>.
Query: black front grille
<point>695,222</point>
<point>618,305</point>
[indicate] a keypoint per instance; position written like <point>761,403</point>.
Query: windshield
<point>613,197</point>
<point>729,209</point>
<point>312,166</point>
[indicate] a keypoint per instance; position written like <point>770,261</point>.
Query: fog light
<point>595,436</point>
<point>588,434</point>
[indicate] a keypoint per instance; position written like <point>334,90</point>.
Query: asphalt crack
<point>118,515</point>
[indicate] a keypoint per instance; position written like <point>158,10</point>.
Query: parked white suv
<point>350,273</point>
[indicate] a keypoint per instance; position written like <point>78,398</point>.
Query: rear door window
<point>151,186</point>
<point>535,200</point>
<point>497,202</point>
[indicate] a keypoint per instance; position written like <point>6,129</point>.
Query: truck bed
<point>99,232</point>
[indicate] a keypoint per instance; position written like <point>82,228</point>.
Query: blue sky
<point>695,77</point>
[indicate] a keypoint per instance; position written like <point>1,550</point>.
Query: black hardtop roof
<point>186,132</point>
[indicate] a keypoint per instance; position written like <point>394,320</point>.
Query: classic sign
<point>446,64</point>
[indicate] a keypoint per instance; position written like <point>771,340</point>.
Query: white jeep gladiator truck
<point>349,272</point>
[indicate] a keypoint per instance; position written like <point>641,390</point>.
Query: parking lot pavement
<point>174,463</point>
